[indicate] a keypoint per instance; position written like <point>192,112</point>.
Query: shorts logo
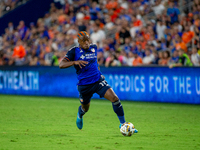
<point>93,50</point>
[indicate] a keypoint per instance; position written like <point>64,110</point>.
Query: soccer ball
<point>127,129</point>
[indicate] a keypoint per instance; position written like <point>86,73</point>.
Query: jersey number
<point>103,83</point>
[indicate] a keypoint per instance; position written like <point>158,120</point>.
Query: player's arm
<point>69,61</point>
<point>65,63</point>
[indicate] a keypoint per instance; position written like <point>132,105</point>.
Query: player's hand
<point>80,63</point>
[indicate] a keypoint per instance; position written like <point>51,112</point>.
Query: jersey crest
<point>93,50</point>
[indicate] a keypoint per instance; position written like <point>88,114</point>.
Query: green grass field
<point>48,123</point>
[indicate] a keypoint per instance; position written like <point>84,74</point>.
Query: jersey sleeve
<point>70,55</point>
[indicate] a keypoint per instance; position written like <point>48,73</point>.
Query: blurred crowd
<point>122,29</point>
<point>8,5</point>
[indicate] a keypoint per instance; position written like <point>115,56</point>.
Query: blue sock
<point>81,112</point>
<point>118,109</point>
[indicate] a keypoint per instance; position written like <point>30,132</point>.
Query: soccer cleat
<point>136,131</point>
<point>121,124</point>
<point>79,122</point>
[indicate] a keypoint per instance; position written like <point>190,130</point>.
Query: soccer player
<point>84,59</point>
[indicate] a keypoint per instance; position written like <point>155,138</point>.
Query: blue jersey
<point>87,74</point>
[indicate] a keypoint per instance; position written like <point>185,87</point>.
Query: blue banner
<point>153,84</point>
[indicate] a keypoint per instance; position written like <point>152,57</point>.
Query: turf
<point>48,123</point>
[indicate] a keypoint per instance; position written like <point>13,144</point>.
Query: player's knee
<point>86,107</point>
<point>115,98</point>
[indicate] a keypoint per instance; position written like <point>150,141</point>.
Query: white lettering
<point>131,83</point>
<point>21,82</point>
<point>181,85</point>
<point>175,78</point>
<point>10,81</point>
<point>136,89</point>
<point>197,85</point>
<point>31,76</point>
<point>15,80</point>
<point>36,81</point>
<point>121,83</point>
<point>188,85</point>
<point>127,83</point>
<point>165,84</point>
<point>25,81</point>
<point>116,81</point>
<point>151,84</point>
<point>142,83</point>
<point>158,84</point>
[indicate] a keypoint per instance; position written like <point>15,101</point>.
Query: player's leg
<point>85,96</point>
<point>117,106</point>
<point>83,108</point>
<point>104,90</point>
